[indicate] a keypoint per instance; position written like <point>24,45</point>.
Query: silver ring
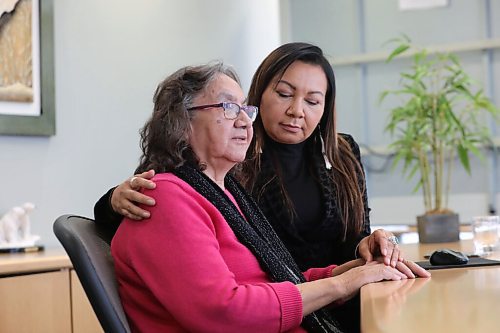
<point>393,240</point>
<point>131,181</point>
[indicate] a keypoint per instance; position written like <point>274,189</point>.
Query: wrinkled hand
<point>409,268</point>
<point>353,279</point>
<point>126,197</point>
<point>378,245</point>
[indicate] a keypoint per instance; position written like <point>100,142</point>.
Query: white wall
<point>109,57</point>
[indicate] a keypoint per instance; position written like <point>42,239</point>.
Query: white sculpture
<point>15,227</point>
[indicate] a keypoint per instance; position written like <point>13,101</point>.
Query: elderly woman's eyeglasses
<point>231,110</point>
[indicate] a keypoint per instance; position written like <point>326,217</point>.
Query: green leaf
<point>402,38</point>
<point>464,158</point>
<point>474,150</point>
<point>382,96</point>
<point>417,187</point>
<point>413,171</point>
<point>400,49</point>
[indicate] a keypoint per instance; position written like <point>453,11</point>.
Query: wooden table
<point>452,300</point>
<point>47,260</point>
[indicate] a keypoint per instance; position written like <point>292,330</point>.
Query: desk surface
<point>47,260</point>
<point>452,300</point>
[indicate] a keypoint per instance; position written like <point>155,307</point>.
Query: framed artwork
<point>27,99</point>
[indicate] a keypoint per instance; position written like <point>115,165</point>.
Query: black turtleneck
<point>300,185</point>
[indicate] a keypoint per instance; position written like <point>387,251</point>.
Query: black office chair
<point>88,247</point>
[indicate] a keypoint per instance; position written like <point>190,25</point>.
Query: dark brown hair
<point>165,136</point>
<point>346,170</point>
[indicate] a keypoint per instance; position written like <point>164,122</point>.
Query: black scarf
<point>257,235</point>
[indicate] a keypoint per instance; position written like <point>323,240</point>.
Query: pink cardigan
<point>184,270</point>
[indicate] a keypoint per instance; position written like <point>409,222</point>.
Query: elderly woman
<point>207,259</point>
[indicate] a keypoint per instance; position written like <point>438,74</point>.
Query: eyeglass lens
<point>232,110</point>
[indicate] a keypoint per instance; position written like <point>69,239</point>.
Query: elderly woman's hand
<point>408,268</point>
<point>380,243</point>
<point>126,197</point>
<point>353,279</point>
<point>347,279</point>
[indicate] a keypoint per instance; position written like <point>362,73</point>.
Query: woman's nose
<point>295,109</point>
<point>243,120</point>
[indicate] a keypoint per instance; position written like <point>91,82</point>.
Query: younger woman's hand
<point>126,197</point>
<point>380,243</point>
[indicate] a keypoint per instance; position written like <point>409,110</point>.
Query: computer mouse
<point>448,257</point>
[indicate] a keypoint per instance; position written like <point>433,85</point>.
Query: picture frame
<point>43,123</point>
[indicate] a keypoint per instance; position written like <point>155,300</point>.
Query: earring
<point>323,151</point>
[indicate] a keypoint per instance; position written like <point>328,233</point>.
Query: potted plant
<point>441,118</point>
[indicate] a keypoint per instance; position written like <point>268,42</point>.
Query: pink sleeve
<point>178,258</point>
<point>319,273</point>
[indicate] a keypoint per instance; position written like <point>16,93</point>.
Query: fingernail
<point>145,215</point>
<point>151,202</point>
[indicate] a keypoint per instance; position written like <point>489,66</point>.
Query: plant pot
<point>439,228</point>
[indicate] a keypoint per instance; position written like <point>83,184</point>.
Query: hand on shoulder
<point>127,197</point>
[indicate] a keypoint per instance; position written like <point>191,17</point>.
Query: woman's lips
<point>291,128</point>
<point>240,139</point>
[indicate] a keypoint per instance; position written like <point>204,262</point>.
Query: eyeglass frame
<point>226,106</point>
